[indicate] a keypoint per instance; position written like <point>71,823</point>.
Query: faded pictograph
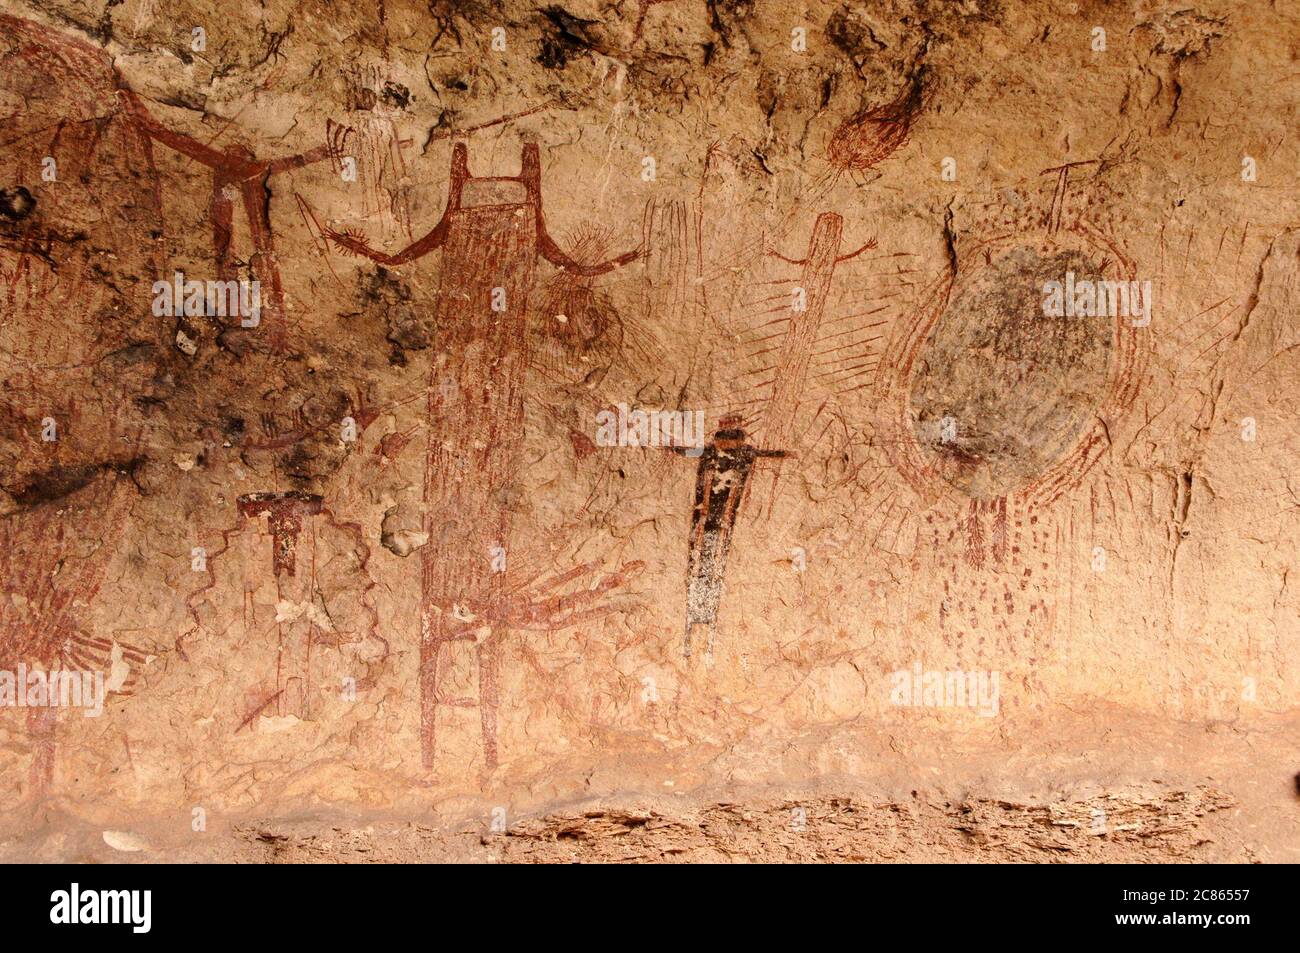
<point>371,149</point>
<point>994,404</point>
<point>288,588</point>
<point>238,176</point>
<point>74,418</point>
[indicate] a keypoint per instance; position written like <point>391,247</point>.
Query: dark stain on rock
<point>563,35</point>
<point>1002,390</point>
<point>58,483</point>
<point>726,15</point>
<point>406,330</point>
<point>852,35</point>
<point>132,355</point>
<point>396,95</point>
<point>16,203</point>
<point>381,285</point>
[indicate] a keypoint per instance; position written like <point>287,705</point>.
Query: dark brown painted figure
<point>720,481</point>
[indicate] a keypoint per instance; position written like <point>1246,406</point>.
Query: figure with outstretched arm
<point>491,235</point>
<point>720,481</point>
<point>530,177</point>
<point>235,169</point>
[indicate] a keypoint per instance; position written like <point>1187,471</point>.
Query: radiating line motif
<point>993,413</point>
<point>797,346</point>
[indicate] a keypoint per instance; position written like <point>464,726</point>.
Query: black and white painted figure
<point>720,482</point>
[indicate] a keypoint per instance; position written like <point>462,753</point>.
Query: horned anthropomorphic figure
<point>491,236</point>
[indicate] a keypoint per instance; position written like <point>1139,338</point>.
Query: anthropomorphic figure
<point>491,236</point>
<point>721,478</point>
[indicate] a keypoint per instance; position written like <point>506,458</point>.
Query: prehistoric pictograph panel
<point>427,403</point>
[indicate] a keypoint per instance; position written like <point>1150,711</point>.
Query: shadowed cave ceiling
<point>459,413</point>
